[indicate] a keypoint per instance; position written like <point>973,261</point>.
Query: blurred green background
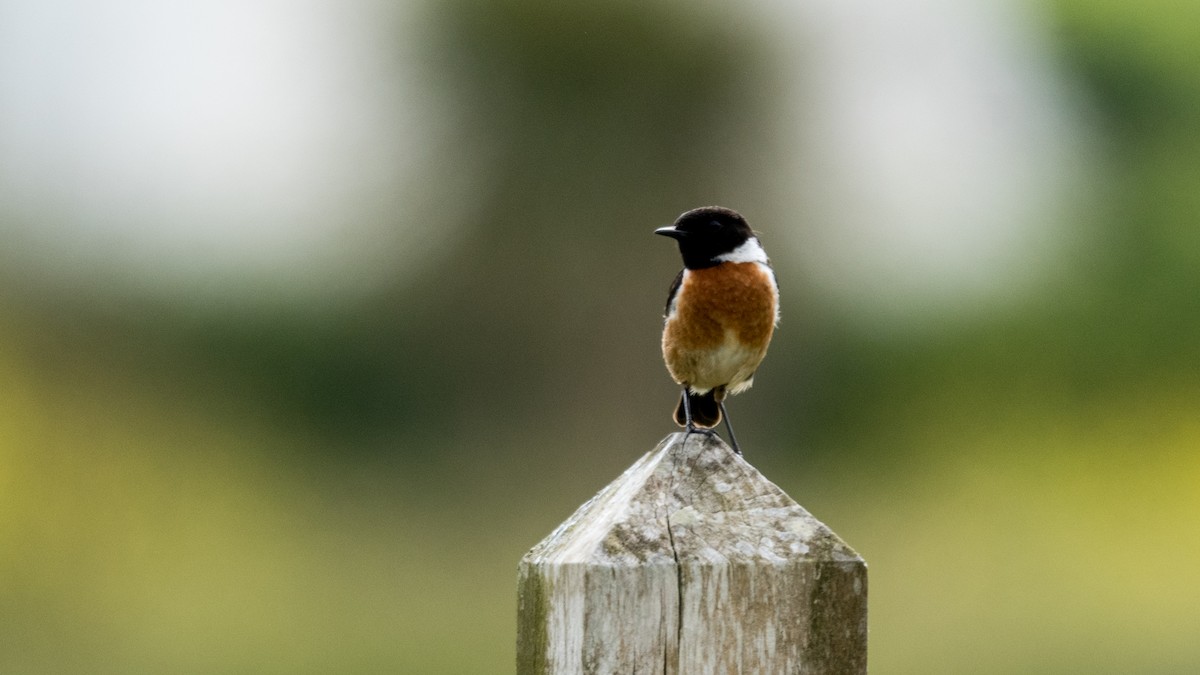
<point>315,316</point>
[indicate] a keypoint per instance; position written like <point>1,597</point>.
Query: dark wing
<point>673,290</point>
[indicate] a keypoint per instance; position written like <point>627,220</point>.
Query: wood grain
<point>690,563</point>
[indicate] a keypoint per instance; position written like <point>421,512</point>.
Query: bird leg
<point>729,428</point>
<point>687,412</point>
<point>689,424</point>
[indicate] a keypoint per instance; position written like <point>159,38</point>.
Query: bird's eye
<point>714,225</point>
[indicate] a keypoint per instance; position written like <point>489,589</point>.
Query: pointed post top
<point>691,499</point>
<point>692,563</point>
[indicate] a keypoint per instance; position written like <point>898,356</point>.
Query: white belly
<point>730,364</point>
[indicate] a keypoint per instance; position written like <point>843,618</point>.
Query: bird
<point>722,309</point>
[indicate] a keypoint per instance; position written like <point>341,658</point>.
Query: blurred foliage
<point>253,488</point>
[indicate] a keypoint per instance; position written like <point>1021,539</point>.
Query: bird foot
<point>689,430</point>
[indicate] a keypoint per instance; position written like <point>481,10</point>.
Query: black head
<point>706,233</point>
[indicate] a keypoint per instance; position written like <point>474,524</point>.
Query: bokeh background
<point>314,316</point>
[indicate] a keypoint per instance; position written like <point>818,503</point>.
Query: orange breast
<point>723,320</point>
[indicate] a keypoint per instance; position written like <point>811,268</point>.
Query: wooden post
<point>692,563</point>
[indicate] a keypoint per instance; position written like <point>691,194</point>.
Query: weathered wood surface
<point>692,563</point>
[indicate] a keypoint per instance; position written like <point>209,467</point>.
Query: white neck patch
<point>751,251</point>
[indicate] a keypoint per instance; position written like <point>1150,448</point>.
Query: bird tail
<point>705,409</point>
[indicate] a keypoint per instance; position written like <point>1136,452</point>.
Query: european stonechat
<point>721,311</point>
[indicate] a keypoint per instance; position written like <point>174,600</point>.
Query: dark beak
<point>670,231</point>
